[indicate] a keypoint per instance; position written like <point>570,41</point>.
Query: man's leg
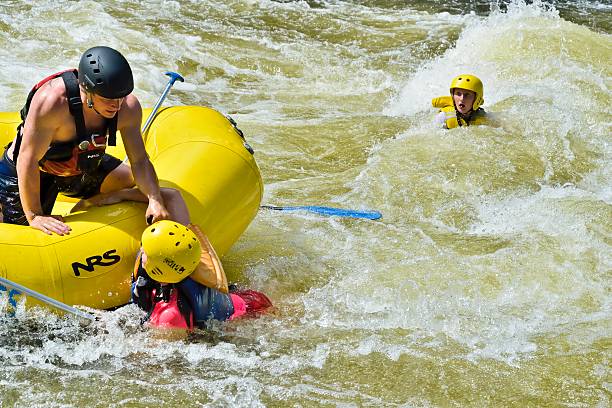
<point>11,211</point>
<point>113,182</point>
<point>117,179</point>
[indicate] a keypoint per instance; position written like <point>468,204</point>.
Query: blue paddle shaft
<point>331,211</point>
<point>47,300</point>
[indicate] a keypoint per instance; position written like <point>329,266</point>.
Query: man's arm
<point>130,119</point>
<point>40,125</point>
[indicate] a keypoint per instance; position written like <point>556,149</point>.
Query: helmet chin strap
<point>90,103</point>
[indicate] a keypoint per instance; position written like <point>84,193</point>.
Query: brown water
<point>487,282</point>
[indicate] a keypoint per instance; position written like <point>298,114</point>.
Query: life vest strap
<point>75,104</point>
<point>112,131</point>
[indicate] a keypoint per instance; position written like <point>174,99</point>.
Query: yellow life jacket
<point>453,120</point>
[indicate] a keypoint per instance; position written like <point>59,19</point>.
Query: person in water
<point>68,120</point>
<point>463,107</point>
<point>180,282</point>
<point>178,278</point>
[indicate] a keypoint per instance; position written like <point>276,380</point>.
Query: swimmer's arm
<point>113,197</point>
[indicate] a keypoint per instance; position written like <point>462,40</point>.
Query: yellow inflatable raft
<point>195,150</point>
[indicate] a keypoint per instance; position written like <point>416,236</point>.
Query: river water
<point>487,282</point>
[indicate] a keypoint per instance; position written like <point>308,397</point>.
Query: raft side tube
<point>194,149</point>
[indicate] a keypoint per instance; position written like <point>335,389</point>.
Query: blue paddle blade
<point>331,211</point>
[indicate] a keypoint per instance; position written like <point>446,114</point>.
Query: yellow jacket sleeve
<point>442,102</point>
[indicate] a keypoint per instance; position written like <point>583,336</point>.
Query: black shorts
<point>82,186</point>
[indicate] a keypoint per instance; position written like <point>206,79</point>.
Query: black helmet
<point>105,72</point>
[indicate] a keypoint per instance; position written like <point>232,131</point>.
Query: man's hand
<point>50,224</point>
<point>156,211</point>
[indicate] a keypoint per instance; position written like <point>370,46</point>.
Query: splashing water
<point>487,281</point>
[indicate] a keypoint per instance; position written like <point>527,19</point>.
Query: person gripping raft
<point>68,121</point>
<point>180,282</point>
<point>463,106</point>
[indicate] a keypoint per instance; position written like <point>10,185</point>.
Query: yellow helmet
<point>172,249</point>
<point>471,83</point>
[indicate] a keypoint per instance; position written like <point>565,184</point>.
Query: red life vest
<point>82,154</point>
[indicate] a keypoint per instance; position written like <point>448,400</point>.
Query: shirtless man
<point>68,120</point>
